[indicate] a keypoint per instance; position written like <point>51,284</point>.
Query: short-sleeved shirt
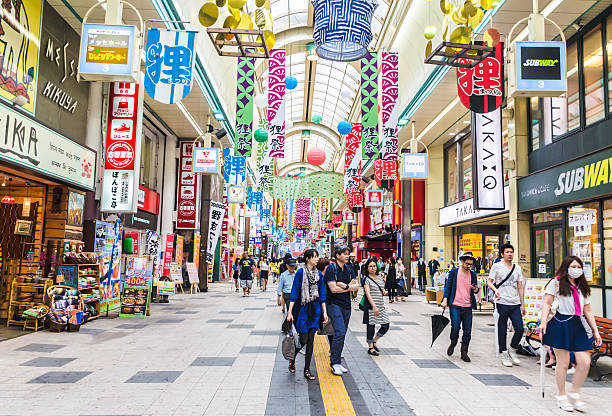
<point>566,303</point>
<point>339,274</point>
<point>509,290</point>
<point>247,268</point>
<point>263,265</point>
<point>464,286</point>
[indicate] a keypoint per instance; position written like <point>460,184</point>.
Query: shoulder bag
<point>364,304</point>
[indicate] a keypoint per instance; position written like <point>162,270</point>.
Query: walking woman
<point>307,308</point>
<point>401,278</point>
<point>572,328</point>
<point>264,268</point>
<point>391,280</point>
<point>377,314</point>
<point>236,268</point>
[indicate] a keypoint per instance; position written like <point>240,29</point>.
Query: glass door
<point>547,250</point>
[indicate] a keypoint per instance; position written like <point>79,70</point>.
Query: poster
<point>136,292</point>
<point>19,50</point>
<point>534,294</point>
<point>76,203</point>
<point>70,275</point>
<point>165,288</point>
<point>107,245</point>
<point>582,250</point>
<point>196,248</point>
<point>192,272</point>
<point>168,251</point>
<point>175,273</point>
<point>179,251</point>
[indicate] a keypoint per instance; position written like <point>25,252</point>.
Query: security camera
<point>19,100</point>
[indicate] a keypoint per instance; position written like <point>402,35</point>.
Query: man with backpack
<point>506,281</point>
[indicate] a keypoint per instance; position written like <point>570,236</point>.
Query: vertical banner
<point>369,105</point>
<point>244,106</point>
<point>217,212</point>
<point>481,89</point>
<point>179,251</point>
<point>487,160</point>
<point>390,93</point>
<point>168,248</point>
<point>120,151</point>
<point>196,248</point>
<point>352,159</point>
<point>385,173</point>
<point>170,58</point>
<point>276,103</point>
<point>187,200</point>
<point>263,172</point>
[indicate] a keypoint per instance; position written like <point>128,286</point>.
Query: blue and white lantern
<point>342,28</point>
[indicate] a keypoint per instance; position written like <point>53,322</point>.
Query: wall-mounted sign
<point>487,160</point>
<point>374,198</point>
<point>148,200</point>
<point>387,218</point>
<point>464,211</point>
<point>121,126</point>
<point>349,217</point>
<point>118,191</point>
<point>109,53</point>
<point>414,166</point>
<point>538,69</point>
<point>205,160</point>
<point>27,143</point>
<point>168,249</point>
<point>188,204</point>
<point>235,194</point>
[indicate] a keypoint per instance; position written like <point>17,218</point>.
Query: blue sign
<point>107,51</point>
<point>170,59</point>
<point>414,166</point>
<point>541,68</point>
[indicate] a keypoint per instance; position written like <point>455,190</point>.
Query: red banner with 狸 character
<point>481,89</point>
<point>385,173</point>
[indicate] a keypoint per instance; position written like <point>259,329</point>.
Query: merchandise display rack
<point>88,292</point>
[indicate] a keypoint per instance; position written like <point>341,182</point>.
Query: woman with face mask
<point>572,328</point>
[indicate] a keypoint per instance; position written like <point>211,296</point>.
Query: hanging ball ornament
<point>261,135</point>
<point>316,118</point>
<point>344,127</point>
<point>261,100</point>
<point>346,93</point>
<point>430,32</point>
<point>290,83</point>
<point>315,156</point>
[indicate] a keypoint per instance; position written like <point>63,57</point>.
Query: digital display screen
<point>541,62</point>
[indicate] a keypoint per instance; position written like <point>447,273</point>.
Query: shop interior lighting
<point>218,116</point>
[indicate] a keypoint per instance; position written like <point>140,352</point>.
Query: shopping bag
<point>288,348</point>
<point>327,328</point>
<point>296,337</point>
<point>364,303</point>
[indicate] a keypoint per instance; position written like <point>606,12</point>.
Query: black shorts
<point>263,274</point>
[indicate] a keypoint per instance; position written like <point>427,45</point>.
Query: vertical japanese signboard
<point>276,103</point>
<point>196,248</point>
<point>168,249</point>
<point>244,106</point>
<point>352,159</point>
<point>188,203</point>
<point>390,92</point>
<point>179,251</point>
<point>217,212</point>
<point>369,105</point>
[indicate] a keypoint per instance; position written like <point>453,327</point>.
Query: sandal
<point>564,403</point>
<point>292,366</point>
<point>308,375</point>
<point>579,405</point>
<point>372,351</point>
<point>375,347</point>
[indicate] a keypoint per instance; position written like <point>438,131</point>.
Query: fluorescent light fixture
<point>466,121</point>
<point>452,134</point>
<point>402,122</point>
<point>218,115</point>
<point>190,118</point>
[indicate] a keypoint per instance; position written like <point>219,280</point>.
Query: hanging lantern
<point>290,83</point>
<point>342,28</point>
<point>315,156</point>
<point>261,100</point>
<point>316,118</point>
<point>261,135</point>
<point>7,199</point>
<point>344,127</point>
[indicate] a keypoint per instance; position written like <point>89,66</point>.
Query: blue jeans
<point>340,320</point>
<point>514,313</point>
<point>461,317</point>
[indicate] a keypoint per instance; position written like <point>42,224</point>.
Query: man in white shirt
<point>506,280</point>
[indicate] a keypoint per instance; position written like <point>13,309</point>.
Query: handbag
<point>296,337</point>
<point>327,329</point>
<point>288,347</point>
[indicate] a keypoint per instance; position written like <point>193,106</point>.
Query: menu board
<point>534,294</point>
<point>136,296</point>
<point>165,288</point>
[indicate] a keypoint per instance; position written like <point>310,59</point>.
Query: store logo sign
<point>590,176</point>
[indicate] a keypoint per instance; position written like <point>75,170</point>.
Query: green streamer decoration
<point>369,105</point>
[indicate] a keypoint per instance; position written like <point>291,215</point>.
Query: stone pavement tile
<point>154,377</point>
<point>241,326</point>
<point>486,329</point>
<point>435,364</point>
<point>391,351</point>
<point>40,347</point>
<point>214,361</point>
<point>47,362</point>
<point>404,323</point>
<point>258,350</point>
<point>190,410</point>
<point>90,331</point>
<point>219,321</point>
<point>264,332</point>
<point>173,308</point>
<point>500,380</point>
<point>60,377</point>
<point>394,328</point>
<point>169,321</point>
<point>254,309</point>
<point>131,326</point>
<point>187,312</point>
<point>230,312</point>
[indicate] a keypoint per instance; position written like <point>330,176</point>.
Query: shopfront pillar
<point>349,237</point>
<point>518,166</point>
<point>406,231</point>
<point>169,186</point>
<point>438,240</point>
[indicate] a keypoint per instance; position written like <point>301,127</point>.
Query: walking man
<point>285,283</point>
<point>341,280</point>
<point>459,296</point>
<point>246,274</point>
<point>506,280</point>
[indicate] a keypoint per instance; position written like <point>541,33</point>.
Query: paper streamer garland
<point>276,103</point>
<point>352,159</point>
<point>369,105</point>
<point>244,106</point>
<point>390,92</point>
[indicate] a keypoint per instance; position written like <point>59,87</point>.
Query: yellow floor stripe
<point>335,397</point>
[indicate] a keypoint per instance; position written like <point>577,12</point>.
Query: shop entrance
<point>548,249</point>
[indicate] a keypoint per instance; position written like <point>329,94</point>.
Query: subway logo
<point>541,62</point>
<point>590,176</point>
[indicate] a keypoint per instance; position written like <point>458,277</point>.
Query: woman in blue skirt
<point>572,328</point>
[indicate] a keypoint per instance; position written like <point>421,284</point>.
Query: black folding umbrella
<point>438,323</point>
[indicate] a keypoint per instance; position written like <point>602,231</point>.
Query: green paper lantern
<point>261,135</point>
<point>316,118</point>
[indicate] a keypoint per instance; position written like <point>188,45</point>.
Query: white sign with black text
<point>487,160</point>
<point>118,191</point>
<point>217,212</point>
<point>465,211</point>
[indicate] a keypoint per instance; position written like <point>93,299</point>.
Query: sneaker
<point>571,371</point>
<point>337,370</point>
<point>343,368</point>
<point>513,357</point>
<point>505,359</point>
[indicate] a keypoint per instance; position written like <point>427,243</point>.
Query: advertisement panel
<point>374,198</point>
<point>168,249</point>
<point>414,166</point>
<point>205,160</point>
<point>122,121</point>
<point>187,204</point>
<point>540,69</point>
<point>487,160</point>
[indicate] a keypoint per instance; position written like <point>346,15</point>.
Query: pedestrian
<point>353,263</point>
<point>322,264</point>
<point>377,313</point>
<point>236,268</point>
<point>459,290</point>
<point>340,280</point>
<point>401,278</point>
<point>264,268</point>
<point>246,274</point>
<point>422,273</point>
<point>391,280</point>
<point>307,307</point>
<point>285,283</point>
<point>572,328</point>
<point>506,281</point>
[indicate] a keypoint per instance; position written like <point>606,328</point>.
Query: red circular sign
<point>186,208</point>
<point>120,155</point>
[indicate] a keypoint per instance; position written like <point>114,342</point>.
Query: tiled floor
<point>212,359</point>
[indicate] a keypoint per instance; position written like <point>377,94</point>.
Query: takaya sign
<point>465,211</point>
<point>414,166</point>
<point>187,215</point>
<point>481,89</point>
<point>121,126</point>
<point>487,160</point>
<point>538,69</point>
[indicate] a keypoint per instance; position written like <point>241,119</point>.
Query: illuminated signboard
<point>539,69</point>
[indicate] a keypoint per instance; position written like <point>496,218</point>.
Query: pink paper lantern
<point>315,156</point>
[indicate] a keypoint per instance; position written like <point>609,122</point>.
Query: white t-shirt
<point>566,303</point>
<point>263,266</point>
<point>509,290</point>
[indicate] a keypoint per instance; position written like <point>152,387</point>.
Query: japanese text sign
<point>108,53</point>
<point>188,201</point>
<point>205,160</point>
<point>414,166</point>
<point>121,128</point>
<point>481,89</point>
<point>374,198</point>
<point>217,212</point>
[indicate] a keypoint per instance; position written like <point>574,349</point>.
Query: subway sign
<point>585,178</point>
<point>538,69</point>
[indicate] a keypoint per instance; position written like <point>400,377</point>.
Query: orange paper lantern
<point>315,156</point>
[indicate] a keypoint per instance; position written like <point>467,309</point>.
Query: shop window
<point>592,56</point>
<point>145,162</point>
<point>573,95</point>
<point>597,301</point>
<point>609,51</point>
<point>466,163</point>
<point>452,186</point>
<point>608,304</point>
<point>547,216</point>
<point>583,239</point>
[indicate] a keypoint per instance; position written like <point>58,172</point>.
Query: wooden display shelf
<point>15,305</point>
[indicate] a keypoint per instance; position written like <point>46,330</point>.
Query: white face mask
<point>574,272</point>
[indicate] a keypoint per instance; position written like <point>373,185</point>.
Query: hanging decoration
<point>244,106</point>
<point>315,185</point>
<point>276,103</point>
<point>302,214</point>
<point>481,89</point>
<point>234,167</point>
<point>342,28</point>
<point>344,127</point>
<point>316,118</point>
<point>369,105</point>
<point>316,156</point>
<point>263,172</point>
<point>261,135</point>
<point>291,83</point>
<point>385,173</point>
<point>355,201</point>
<point>261,100</point>
<point>390,92</point>
<point>352,160</point>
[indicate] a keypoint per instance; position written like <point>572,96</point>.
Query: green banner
<point>369,105</point>
<point>315,185</point>
<point>584,178</point>
<point>244,106</point>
